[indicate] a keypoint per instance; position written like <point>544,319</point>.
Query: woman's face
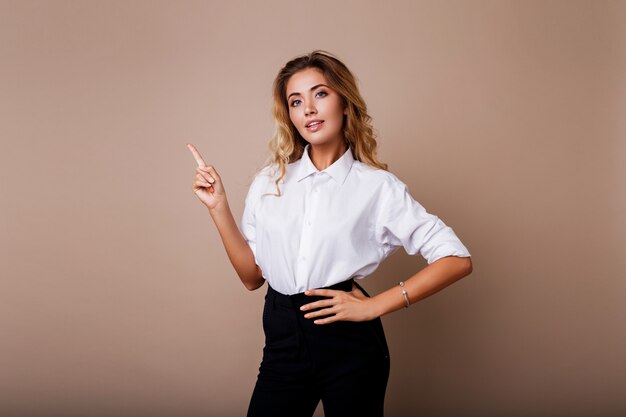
<point>311,100</point>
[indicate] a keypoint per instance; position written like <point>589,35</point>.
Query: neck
<point>325,155</point>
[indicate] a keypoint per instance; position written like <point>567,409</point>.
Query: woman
<point>323,212</point>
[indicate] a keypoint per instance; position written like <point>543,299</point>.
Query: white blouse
<point>332,225</point>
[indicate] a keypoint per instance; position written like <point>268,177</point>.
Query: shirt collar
<point>338,170</point>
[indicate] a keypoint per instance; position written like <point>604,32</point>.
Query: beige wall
<point>505,118</point>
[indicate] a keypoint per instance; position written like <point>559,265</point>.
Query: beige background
<point>505,118</point>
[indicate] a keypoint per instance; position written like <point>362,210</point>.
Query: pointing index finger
<point>196,155</point>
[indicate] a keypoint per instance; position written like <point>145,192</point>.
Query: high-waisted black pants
<point>345,364</point>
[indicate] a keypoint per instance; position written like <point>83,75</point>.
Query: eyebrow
<point>311,89</point>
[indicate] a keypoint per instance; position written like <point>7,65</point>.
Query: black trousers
<point>344,364</point>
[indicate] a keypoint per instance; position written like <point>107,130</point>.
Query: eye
<point>295,103</point>
<point>323,93</point>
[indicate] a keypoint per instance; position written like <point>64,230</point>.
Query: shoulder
<point>265,174</point>
<point>377,177</point>
<point>260,180</point>
<point>270,173</point>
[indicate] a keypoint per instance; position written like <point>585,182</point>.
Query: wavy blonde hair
<point>287,145</point>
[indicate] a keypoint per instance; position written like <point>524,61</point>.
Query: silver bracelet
<point>406,298</point>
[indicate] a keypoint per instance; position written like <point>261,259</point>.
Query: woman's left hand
<point>342,305</point>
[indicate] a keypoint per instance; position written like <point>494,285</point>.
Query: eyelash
<point>323,92</point>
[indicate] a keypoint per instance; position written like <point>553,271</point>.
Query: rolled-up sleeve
<point>402,221</point>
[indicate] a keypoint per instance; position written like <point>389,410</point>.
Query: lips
<point>314,123</point>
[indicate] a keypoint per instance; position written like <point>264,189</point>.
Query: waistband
<point>297,300</point>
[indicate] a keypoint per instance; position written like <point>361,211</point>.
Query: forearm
<point>239,253</point>
<point>428,281</point>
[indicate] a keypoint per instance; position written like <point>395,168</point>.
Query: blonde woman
<point>322,214</point>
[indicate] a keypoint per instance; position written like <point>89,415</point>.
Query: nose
<point>309,109</point>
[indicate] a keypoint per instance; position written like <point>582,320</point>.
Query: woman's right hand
<point>208,184</point>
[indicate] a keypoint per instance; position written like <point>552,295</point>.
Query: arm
<point>405,222</point>
<point>356,306</point>
<point>209,188</point>
<point>430,280</point>
<point>239,253</point>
